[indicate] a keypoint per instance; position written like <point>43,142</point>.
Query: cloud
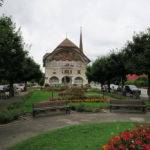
<point>106,24</point>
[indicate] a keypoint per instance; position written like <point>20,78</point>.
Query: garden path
<point>24,128</point>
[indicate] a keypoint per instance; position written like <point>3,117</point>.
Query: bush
<point>10,115</point>
<point>93,90</point>
<point>89,106</point>
<point>140,82</point>
<point>12,112</point>
<point>73,93</point>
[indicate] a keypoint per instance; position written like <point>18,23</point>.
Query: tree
<point>12,54</point>
<point>96,72</point>
<point>89,73</point>
<point>137,52</point>
<point>118,62</point>
<point>1,2</point>
<point>100,71</point>
<point>30,71</point>
<point>106,69</point>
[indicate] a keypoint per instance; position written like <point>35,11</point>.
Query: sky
<point>106,24</point>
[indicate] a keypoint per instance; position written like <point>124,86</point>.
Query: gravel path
<point>24,128</point>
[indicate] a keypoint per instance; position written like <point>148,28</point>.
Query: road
<point>25,128</point>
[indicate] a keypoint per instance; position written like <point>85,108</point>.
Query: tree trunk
<point>108,84</point>
<point>102,87</point>
<point>148,91</point>
<point>122,85</point>
<point>25,86</point>
<point>11,89</point>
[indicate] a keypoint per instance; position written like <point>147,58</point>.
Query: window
<point>66,71</point>
<point>79,71</point>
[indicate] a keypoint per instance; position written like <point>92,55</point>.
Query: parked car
<point>4,88</point>
<point>19,87</point>
<point>113,87</point>
<point>131,90</point>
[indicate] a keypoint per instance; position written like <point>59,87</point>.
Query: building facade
<point>66,64</point>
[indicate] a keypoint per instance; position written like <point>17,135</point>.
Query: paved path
<point>17,131</point>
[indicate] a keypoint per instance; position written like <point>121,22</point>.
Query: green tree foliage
<point>1,2</point>
<point>30,71</point>
<point>12,54</point>
<point>137,52</point>
<point>15,64</point>
<point>105,69</point>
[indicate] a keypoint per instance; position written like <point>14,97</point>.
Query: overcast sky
<point>107,24</point>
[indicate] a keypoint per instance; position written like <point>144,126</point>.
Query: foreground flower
<point>137,139</point>
<point>146,147</point>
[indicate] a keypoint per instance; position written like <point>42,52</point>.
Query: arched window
<point>54,80</point>
<point>78,80</point>
<point>66,80</point>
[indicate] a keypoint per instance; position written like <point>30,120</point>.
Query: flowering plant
<point>136,139</point>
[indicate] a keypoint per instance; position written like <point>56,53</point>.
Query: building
<point>66,64</point>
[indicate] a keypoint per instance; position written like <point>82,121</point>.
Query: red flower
<point>132,146</point>
<point>139,142</point>
<point>147,136</point>
<point>137,138</point>
<point>146,147</point>
<point>126,135</point>
<point>116,139</point>
<point>122,147</point>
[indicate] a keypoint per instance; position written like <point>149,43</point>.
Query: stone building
<point>66,64</point>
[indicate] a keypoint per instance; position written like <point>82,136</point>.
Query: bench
<point>50,105</point>
<point>127,104</point>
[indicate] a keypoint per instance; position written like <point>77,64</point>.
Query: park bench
<point>50,105</point>
<point>129,104</point>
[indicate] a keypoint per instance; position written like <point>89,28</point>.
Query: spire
<point>81,44</point>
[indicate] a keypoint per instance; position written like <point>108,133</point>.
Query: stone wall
<point>75,70</point>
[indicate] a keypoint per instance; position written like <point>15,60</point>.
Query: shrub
<point>140,82</point>
<point>10,115</point>
<point>73,93</point>
<point>93,90</point>
<point>137,139</point>
<point>12,112</point>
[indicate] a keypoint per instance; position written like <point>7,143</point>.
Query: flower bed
<point>90,100</point>
<point>137,139</point>
<point>107,100</point>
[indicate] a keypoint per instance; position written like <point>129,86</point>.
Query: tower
<point>81,44</point>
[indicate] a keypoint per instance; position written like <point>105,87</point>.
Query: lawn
<point>99,94</point>
<point>79,137</point>
<point>89,106</point>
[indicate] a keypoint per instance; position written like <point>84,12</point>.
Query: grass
<point>88,106</point>
<point>94,94</point>
<point>79,137</point>
<point>148,105</point>
<point>98,94</point>
<point>37,96</point>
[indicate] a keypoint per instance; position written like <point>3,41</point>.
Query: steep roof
<point>67,43</point>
